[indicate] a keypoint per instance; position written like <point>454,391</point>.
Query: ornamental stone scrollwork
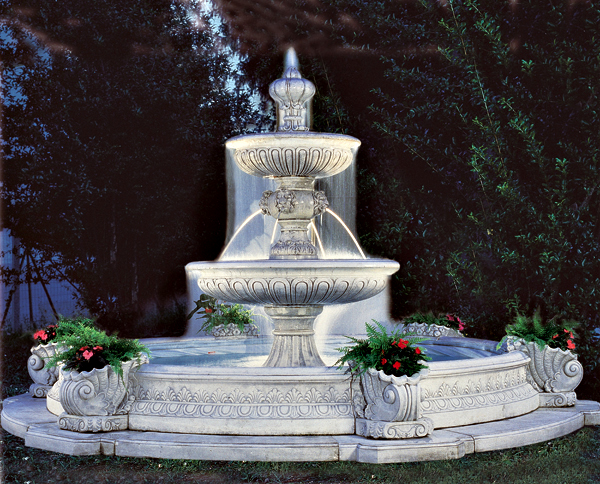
<point>78,423</point>
<point>553,372</point>
<point>232,331</point>
<point>394,430</point>
<point>42,376</point>
<point>433,330</point>
<point>88,396</point>
<point>508,387</point>
<point>255,404</point>
<point>293,291</point>
<point>393,406</point>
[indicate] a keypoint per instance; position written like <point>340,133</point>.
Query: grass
<point>572,459</point>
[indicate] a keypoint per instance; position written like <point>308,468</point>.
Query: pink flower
<point>383,361</point>
<point>39,335</point>
<point>461,326</point>
<point>98,348</point>
<point>396,365</point>
<point>570,344</point>
<point>87,354</point>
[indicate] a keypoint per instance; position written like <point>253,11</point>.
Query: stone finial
<point>293,95</point>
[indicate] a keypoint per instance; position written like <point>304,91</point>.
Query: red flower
<point>396,365</point>
<point>402,344</point>
<point>418,350</point>
<point>98,348</point>
<point>88,354</point>
<point>570,344</point>
<point>449,317</point>
<point>555,336</point>
<point>394,343</point>
<point>383,361</point>
<point>208,310</point>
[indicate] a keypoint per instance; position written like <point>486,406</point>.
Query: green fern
<point>382,351</point>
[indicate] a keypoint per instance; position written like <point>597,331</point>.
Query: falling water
<point>244,223</point>
<point>339,219</point>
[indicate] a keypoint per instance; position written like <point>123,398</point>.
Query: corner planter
<point>433,330</point>
<point>553,372</point>
<point>42,376</point>
<point>97,400</point>
<point>232,331</point>
<point>393,407</point>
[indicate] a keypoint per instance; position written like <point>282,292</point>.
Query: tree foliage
<point>113,159</point>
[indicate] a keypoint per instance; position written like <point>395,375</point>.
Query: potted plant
<point>45,347</point>
<point>96,371</point>
<point>390,369</point>
<point>435,325</point>
<point>553,369</point>
<point>224,320</point>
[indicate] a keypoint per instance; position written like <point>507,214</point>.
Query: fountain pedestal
<point>294,342</point>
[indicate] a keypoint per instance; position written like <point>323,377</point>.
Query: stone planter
<point>232,331</point>
<point>433,330</point>
<point>97,400</point>
<point>553,372</point>
<point>392,407</point>
<point>42,376</point>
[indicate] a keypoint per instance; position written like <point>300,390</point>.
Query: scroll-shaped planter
<point>97,400</point>
<point>42,376</point>
<point>393,406</point>
<point>553,372</point>
<point>433,330</point>
<point>232,331</point>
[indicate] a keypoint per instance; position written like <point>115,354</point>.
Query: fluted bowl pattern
<point>293,282</point>
<point>308,154</point>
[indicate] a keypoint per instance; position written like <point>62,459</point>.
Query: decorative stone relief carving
<point>298,161</point>
<point>256,404</point>
<point>293,291</point>
<point>433,330</point>
<point>231,331</point>
<point>101,394</point>
<point>393,409</point>
<point>551,371</point>
<point>42,376</point>
<point>496,389</point>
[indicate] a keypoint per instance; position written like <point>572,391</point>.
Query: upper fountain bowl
<point>297,154</point>
<point>293,282</point>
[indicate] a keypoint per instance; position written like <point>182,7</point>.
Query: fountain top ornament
<point>295,283</point>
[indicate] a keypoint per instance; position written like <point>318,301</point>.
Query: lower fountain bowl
<point>293,282</point>
<point>472,383</point>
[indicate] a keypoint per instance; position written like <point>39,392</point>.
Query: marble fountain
<point>275,397</point>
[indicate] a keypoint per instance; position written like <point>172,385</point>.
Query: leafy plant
<point>89,348</point>
<point>217,314</point>
<point>390,353</point>
<point>554,333</point>
<point>63,327</point>
<point>447,320</point>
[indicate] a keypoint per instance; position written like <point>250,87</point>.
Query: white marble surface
<point>28,418</point>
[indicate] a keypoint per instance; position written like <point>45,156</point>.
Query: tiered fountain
<point>278,410</point>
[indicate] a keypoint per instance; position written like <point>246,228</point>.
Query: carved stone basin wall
<point>221,400</point>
